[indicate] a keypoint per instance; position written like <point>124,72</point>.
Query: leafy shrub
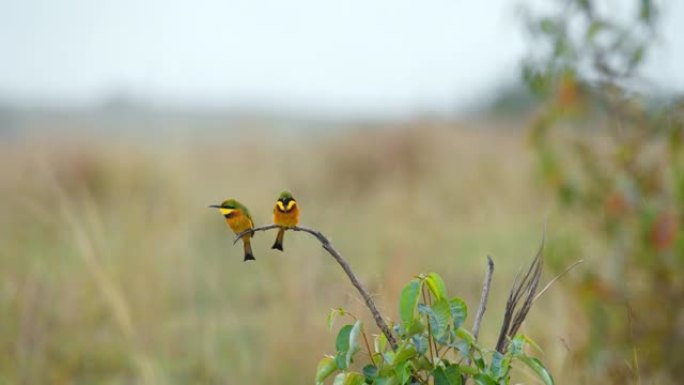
<point>432,346</point>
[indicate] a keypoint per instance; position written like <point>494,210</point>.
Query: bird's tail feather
<point>279,240</point>
<point>248,250</point>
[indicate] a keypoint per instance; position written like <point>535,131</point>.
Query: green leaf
<point>339,379</point>
<point>441,316</point>
<point>388,357</point>
<point>370,371</point>
<point>517,345</point>
<point>447,376</point>
<point>459,311</point>
<point>342,346</point>
<point>342,342</point>
<point>391,380</point>
<point>353,341</point>
<point>385,368</point>
<point>424,309</point>
<point>422,363</point>
<point>469,370</point>
<point>454,371</point>
<point>380,343</point>
<point>417,327</point>
<point>379,358</point>
<point>466,336</point>
<point>420,342</point>
<point>403,354</point>
<point>538,368</point>
<point>403,371</point>
<point>479,362</point>
<point>495,366</point>
<point>436,285</point>
<point>354,378</point>
<point>341,361</point>
<point>349,378</point>
<point>408,302</point>
<point>484,379</point>
<point>332,315</point>
<point>500,365</point>
<point>463,347</point>
<point>438,316</point>
<point>326,367</point>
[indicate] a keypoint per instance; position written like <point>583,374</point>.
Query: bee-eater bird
<point>238,218</point>
<point>285,215</point>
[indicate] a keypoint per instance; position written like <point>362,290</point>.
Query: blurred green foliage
<point>613,154</point>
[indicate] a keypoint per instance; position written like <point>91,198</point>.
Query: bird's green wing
<point>245,210</point>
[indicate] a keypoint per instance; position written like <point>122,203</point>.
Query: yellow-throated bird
<point>238,218</point>
<point>285,215</point>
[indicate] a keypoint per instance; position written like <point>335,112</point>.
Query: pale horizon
<point>388,58</point>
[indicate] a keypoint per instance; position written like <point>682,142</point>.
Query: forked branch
<point>347,269</point>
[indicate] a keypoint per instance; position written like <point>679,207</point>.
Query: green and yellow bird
<point>238,219</point>
<point>285,215</point>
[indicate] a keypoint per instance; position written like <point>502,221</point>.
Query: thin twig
<point>483,297</point>
<point>551,282</point>
<point>370,352</point>
<point>427,321</point>
<point>429,296</point>
<point>379,321</point>
<point>482,307</point>
<point>444,352</point>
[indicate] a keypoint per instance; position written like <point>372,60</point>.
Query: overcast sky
<point>341,56</point>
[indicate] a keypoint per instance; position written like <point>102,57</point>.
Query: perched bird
<point>238,218</point>
<point>285,215</point>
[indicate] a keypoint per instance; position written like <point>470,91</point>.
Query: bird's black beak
<point>215,206</point>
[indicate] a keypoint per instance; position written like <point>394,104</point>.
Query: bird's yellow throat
<point>282,207</point>
<point>225,211</point>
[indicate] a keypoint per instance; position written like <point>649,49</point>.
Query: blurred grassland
<point>114,271</point>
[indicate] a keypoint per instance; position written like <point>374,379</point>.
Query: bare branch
<point>347,269</point>
<point>253,230</point>
<point>482,307</point>
<point>483,297</point>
